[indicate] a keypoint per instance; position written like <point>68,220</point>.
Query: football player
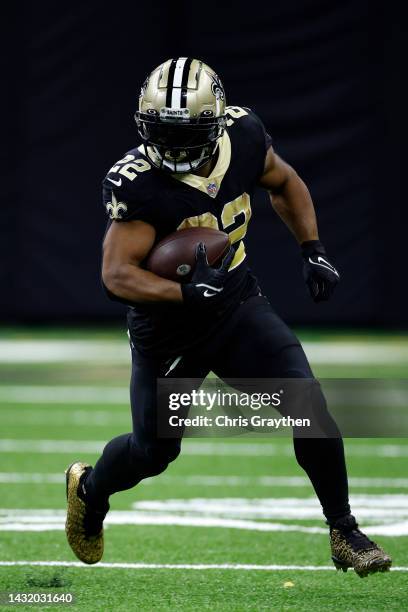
<point>198,164</point>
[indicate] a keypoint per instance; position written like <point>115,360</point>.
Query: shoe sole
<point>380,566</point>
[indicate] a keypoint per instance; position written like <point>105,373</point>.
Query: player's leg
<point>127,459</point>
<point>131,457</point>
<point>262,346</point>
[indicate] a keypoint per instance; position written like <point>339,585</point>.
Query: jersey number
<point>130,167</point>
<point>235,217</point>
<point>234,112</point>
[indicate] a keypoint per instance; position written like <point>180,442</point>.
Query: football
<point>174,256</point>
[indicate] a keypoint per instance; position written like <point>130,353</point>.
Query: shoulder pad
<point>124,174</point>
<point>235,112</point>
<point>243,117</point>
<point>250,141</point>
<point>131,190</point>
<point>244,120</point>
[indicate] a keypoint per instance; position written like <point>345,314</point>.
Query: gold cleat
<point>84,525</point>
<point>351,548</point>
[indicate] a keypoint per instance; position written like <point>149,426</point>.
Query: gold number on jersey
<point>119,163</point>
<point>231,214</point>
<point>207,219</point>
<point>241,206</point>
<point>130,167</point>
<point>234,112</point>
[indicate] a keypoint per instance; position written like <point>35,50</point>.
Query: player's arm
<point>292,201</point>
<point>290,197</point>
<point>125,246</point>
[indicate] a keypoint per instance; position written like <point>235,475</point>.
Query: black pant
<point>257,345</point>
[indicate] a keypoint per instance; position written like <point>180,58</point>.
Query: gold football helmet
<point>181,114</point>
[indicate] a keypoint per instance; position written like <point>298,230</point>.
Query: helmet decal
<point>144,86</point>
<point>177,82</point>
<point>217,87</point>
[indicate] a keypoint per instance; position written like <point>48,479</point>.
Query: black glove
<point>207,283</point>
<point>320,275</point>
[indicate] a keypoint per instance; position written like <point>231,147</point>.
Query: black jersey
<point>134,189</point>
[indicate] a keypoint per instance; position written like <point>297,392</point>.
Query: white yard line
<point>273,481</point>
<point>31,478</point>
<point>54,520</point>
<point>102,351</point>
<point>55,394</point>
<point>51,446</point>
<point>172,521</point>
<point>384,507</point>
<point>64,351</point>
<point>182,566</point>
<point>364,397</point>
<point>197,448</point>
<point>201,480</point>
<point>385,515</point>
<point>61,417</point>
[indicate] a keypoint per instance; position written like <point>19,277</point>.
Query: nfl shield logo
<point>212,189</point>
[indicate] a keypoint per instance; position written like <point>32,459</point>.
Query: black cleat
<point>351,548</point>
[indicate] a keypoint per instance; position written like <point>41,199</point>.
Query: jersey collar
<point>210,185</point>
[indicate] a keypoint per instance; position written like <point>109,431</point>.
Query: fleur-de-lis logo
<point>115,208</point>
<point>217,87</point>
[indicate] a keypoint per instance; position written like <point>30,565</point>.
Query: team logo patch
<point>212,189</point>
<point>115,208</point>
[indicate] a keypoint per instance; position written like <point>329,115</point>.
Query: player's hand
<point>320,275</point>
<point>207,283</point>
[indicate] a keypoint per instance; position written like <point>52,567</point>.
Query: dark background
<point>327,80</point>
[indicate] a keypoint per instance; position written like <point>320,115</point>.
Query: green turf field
<point>231,525</point>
